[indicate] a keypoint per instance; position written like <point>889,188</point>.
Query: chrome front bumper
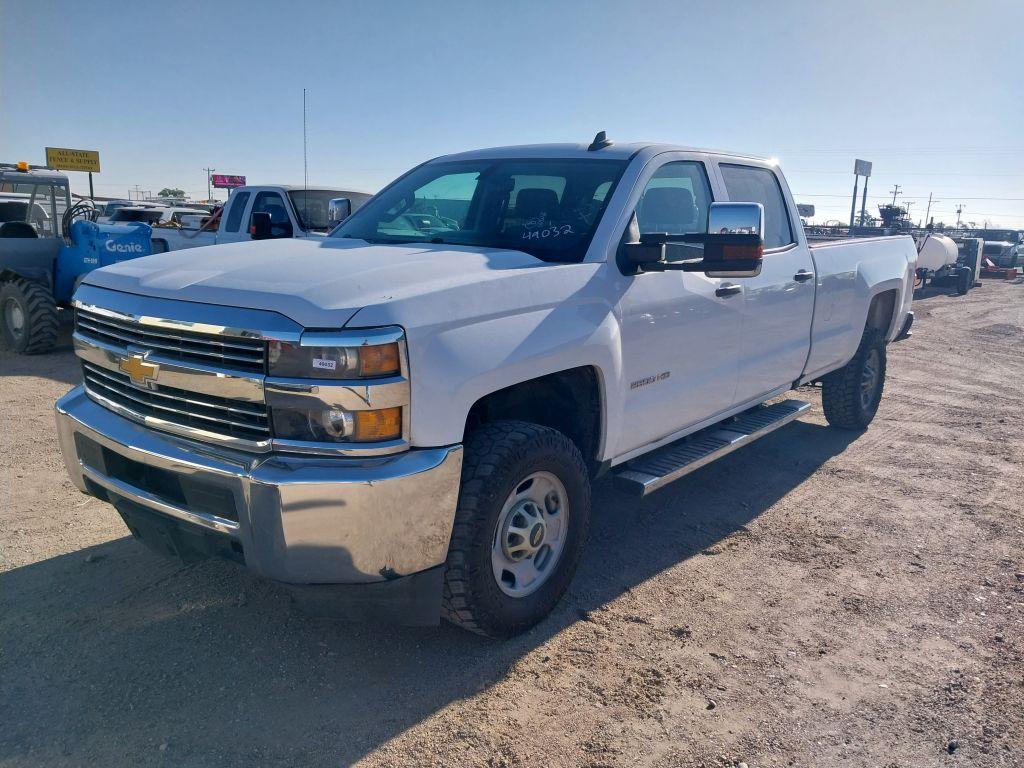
<point>294,519</point>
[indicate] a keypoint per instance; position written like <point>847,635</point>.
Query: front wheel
<point>850,396</point>
<point>520,528</point>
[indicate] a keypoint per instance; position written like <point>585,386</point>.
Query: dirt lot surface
<point>816,599</point>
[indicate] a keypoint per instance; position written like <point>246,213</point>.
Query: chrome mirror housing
<point>338,209</point>
<point>736,219</point>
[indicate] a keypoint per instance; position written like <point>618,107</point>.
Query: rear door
<point>779,303</point>
<point>234,225</point>
<point>680,330</point>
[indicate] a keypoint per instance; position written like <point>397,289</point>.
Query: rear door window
<point>237,209</point>
<point>748,184</point>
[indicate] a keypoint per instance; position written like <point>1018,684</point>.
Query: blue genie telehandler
<point>47,245</point>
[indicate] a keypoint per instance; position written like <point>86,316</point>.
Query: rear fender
<point>29,258</point>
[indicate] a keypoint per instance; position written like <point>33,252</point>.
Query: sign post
<point>62,159</point>
<point>860,168</point>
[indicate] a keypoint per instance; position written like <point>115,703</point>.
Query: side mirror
<point>732,246</point>
<point>259,226</point>
<point>339,209</point>
<point>735,241</point>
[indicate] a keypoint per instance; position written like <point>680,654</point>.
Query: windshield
<point>547,208</point>
<point>311,206</point>
<point>134,214</point>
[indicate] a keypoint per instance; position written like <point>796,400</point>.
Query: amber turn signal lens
<point>381,360</point>
<point>385,424</point>
<point>742,252</point>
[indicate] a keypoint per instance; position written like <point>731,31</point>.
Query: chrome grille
<point>230,353</point>
<point>218,415</point>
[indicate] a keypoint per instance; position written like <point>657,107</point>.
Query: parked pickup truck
<point>405,417</point>
<point>286,212</point>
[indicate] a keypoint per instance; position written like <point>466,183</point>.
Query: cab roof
<point>35,175</point>
<point>615,151</point>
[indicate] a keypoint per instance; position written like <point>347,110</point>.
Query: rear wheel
<point>850,396</point>
<point>28,316</point>
<point>520,528</point>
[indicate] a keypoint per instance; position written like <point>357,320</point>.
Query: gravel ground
<point>816,599</point>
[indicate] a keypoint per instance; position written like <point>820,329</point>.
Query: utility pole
<point>959,210</point>
<point>929,211</point>
<point>208,172</point>
<point>895,191</point>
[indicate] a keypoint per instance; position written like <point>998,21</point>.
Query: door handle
<point>727,290</point>
<point>803,276</point>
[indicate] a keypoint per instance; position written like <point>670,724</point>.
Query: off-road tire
<point>497,457</point>
<point>964,280</point>
<point>40,316</point>
<point>841,390</point>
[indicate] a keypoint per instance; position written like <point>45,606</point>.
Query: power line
<point>918,197</point>
<point>792,171</point>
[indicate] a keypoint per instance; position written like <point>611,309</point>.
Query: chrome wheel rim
<point>869,378</point>
<point>530,535</point>
<point>14,318</point>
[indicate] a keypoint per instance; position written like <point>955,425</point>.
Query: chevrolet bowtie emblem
<point>138,370</point>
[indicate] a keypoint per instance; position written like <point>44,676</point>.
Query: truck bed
<point>174,239</point>
<point>851,271</point>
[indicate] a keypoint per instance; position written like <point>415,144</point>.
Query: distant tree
<point>171,192</point>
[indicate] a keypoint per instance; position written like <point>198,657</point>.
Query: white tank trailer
<point>938,261</point>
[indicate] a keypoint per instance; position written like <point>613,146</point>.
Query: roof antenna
<point>600,142</point>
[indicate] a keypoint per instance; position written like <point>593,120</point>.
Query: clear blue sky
<point>932,93</point>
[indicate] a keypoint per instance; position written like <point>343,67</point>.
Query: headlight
<point>338,426</point>
<point>309,360</point>
<point>336,413</point>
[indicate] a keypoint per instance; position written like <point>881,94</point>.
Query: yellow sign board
<point>73,159</point>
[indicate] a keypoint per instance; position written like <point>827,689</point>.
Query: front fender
<point>467,341</point>
<point>452,369</point>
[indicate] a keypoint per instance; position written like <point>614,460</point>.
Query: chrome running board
<point>657,469</point>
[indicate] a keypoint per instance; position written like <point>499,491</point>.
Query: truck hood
<point>318,283</point>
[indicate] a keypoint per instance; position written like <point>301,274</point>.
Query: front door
<point>680,330</point>
<point>779,303</point>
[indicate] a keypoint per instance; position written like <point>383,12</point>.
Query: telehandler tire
<point>28,316</point>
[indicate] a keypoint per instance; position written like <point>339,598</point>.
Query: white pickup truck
<point>288,212</point>
<point>404,418</point>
